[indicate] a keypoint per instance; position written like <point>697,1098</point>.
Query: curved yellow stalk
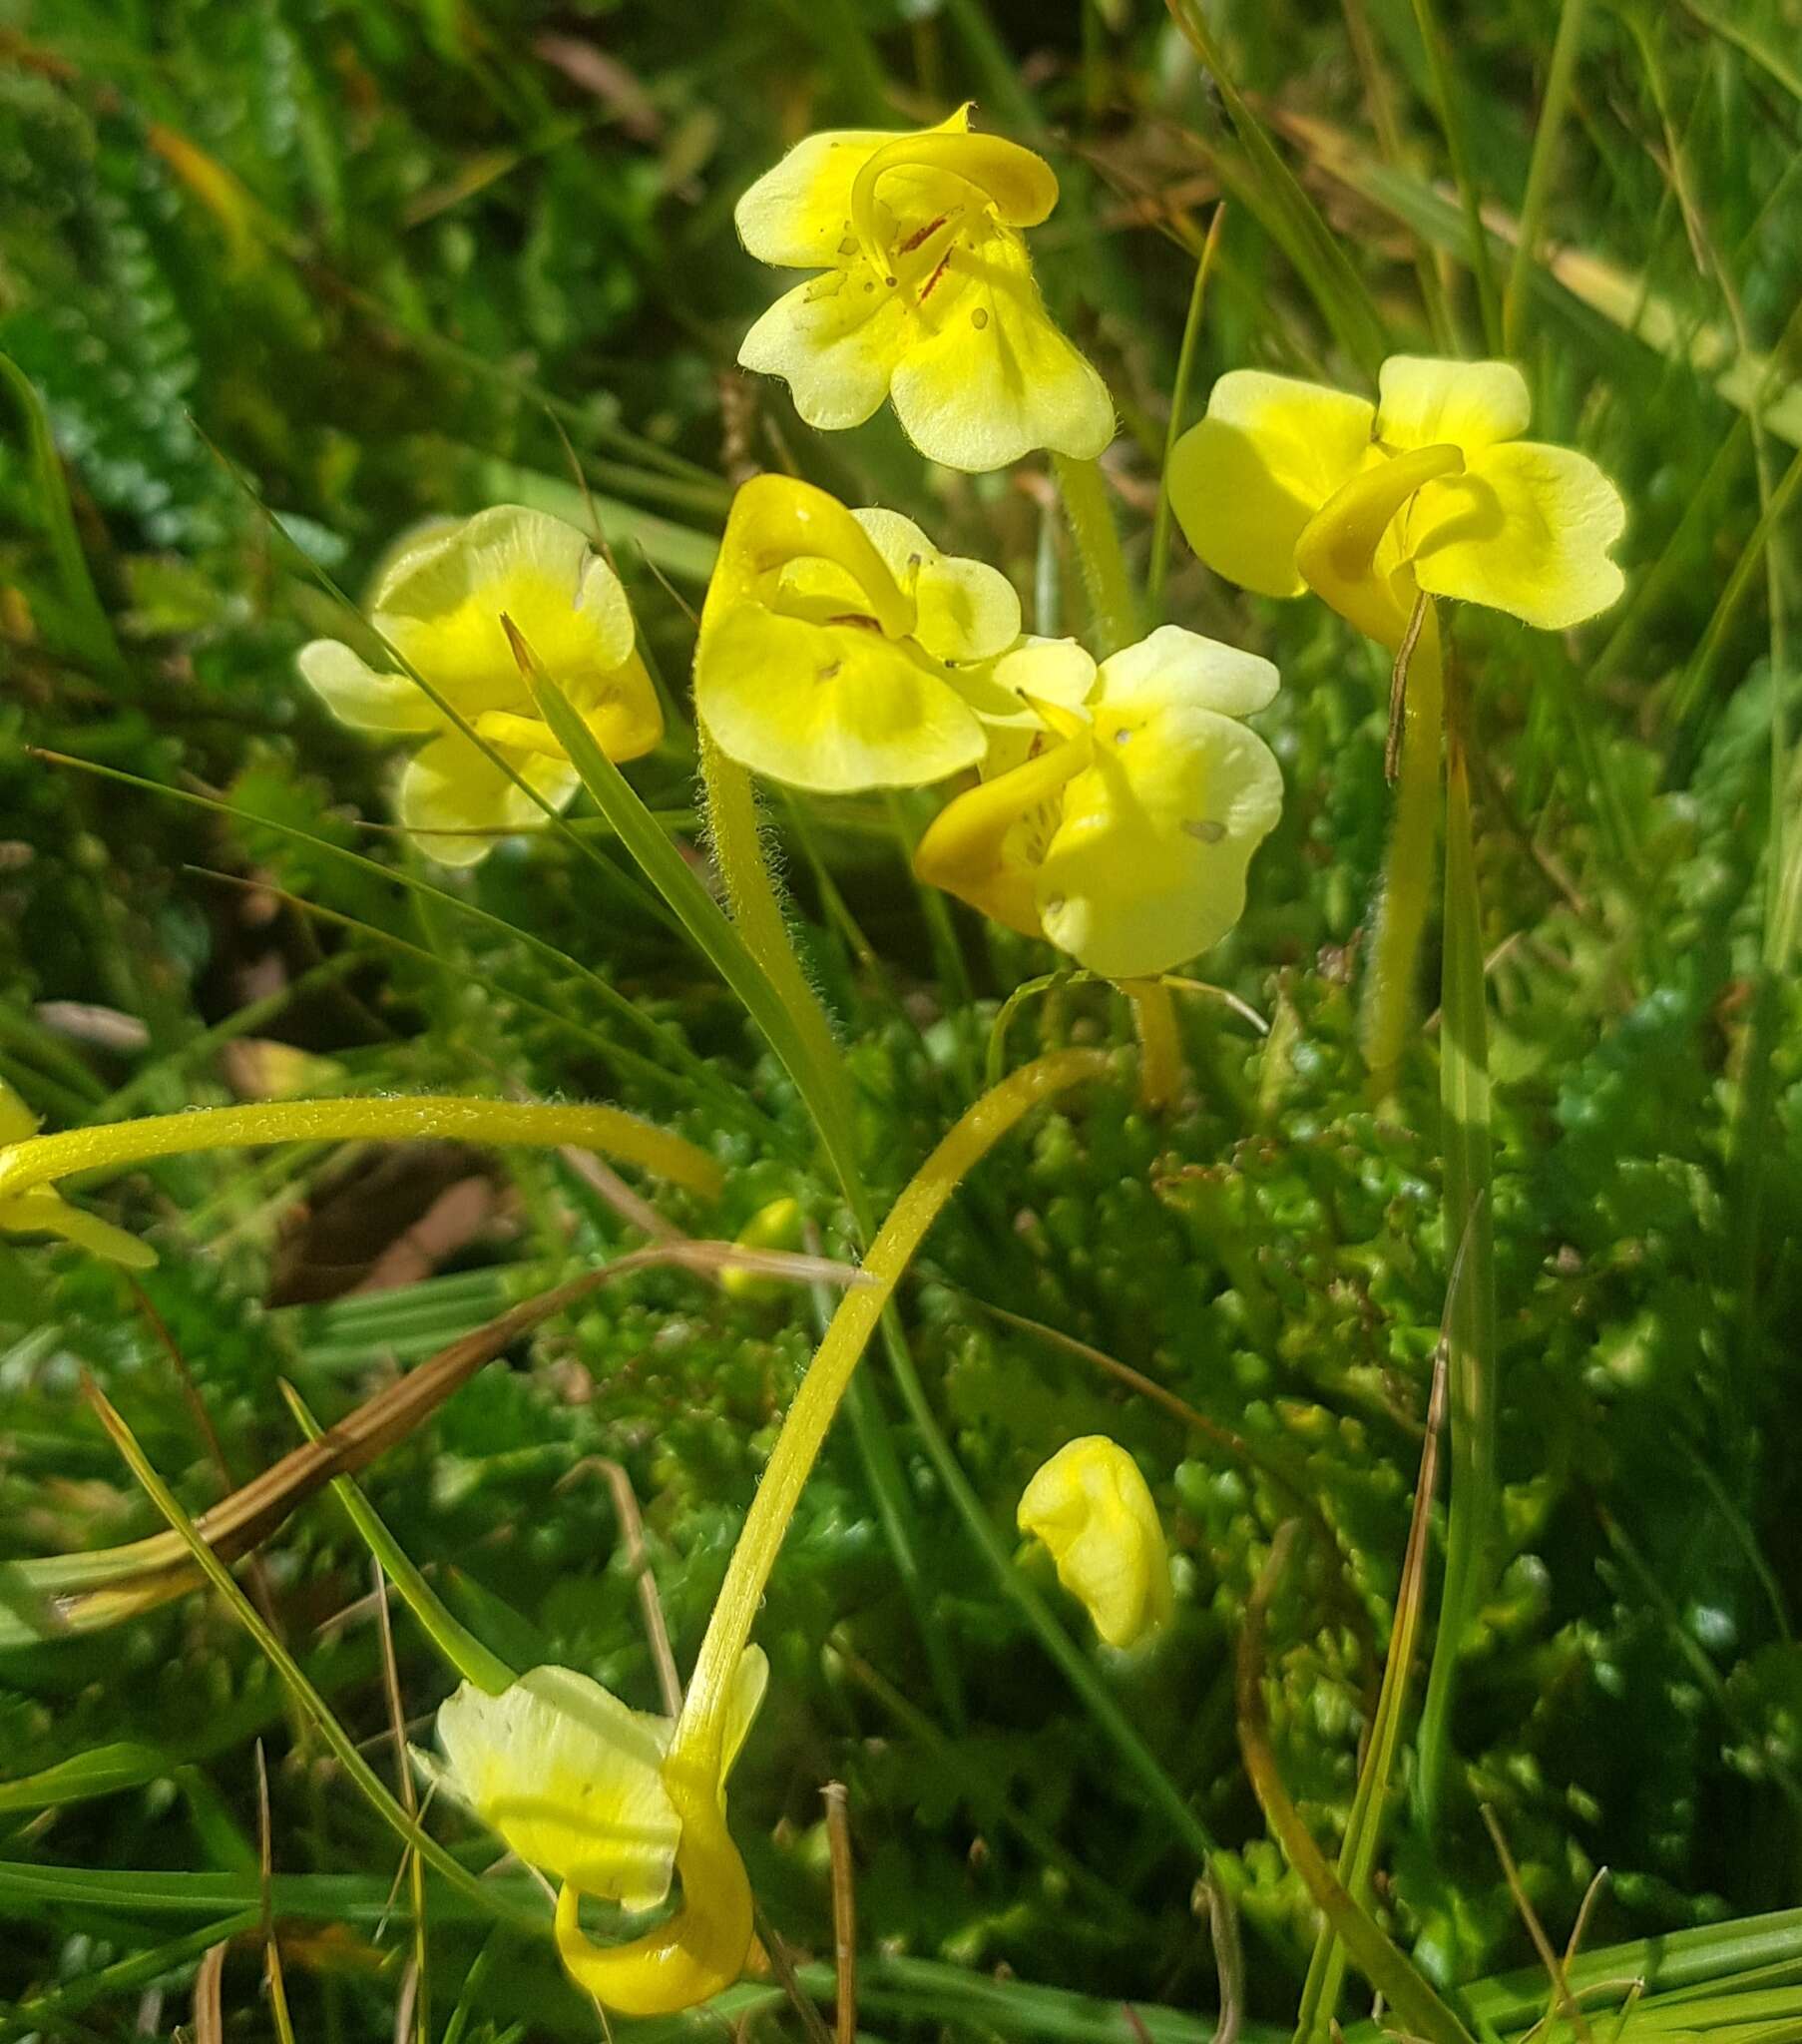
<point>1336,553</point>
<point>703,1947</point>
<point>777,519</point>
<point>1021,186</point>
<point>111,1146</point>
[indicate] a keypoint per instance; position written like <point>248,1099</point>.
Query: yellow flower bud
<point>775,1227</point>
<point>1092,1510</point>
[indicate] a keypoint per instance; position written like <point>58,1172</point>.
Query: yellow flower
<point>572,1778</point>
<point>440,607</point>
<point>925,294</point>
<point>1287,485</point>
<point>840,649</point>
<point>1091,1507</point>
<point>42,1210</point>
<point>1125,838</point>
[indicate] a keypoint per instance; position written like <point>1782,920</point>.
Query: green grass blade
<point>459,1645</point>
<point>1541,165</point>
<point>85,624</point>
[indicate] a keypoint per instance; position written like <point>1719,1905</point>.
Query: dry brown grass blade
<point>107,1587</point>
<point>209,2022</point>
<point>844,1914</point>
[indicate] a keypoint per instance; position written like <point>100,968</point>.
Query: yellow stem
<point>1160,1046</point>
<point>111,1146</point>
<point>1406,891</point>
<point>703,1946</point>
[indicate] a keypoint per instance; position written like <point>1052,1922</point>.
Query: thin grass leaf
<point>1543,161</point>
<point>1382,1962</point>
<point>84,623</point>
<point>459,1645</point>
<point>1276,195</point>
<point>344,1749</point>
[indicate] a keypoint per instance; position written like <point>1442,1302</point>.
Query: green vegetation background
<point>291,274</point>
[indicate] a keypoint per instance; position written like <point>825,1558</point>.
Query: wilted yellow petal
<point>1423,401</point>
<point>1525,529</point>
<point>570,1777</point>
<point>360,696</point>
<point>1091,1508</point>
<point>1246,479</point>
<point>987,377</point>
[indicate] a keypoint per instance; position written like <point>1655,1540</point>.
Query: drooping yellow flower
<point>1286,485</point>
<point>841,651</point>
<point>41,1210</point>
<point>1124,836</point>
<point>440,607</point>
<point>925,294</point>
<point>572,1778</point>
<point>1092,1510</point>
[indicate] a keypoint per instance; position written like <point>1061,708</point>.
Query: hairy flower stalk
<point>703,1947</point>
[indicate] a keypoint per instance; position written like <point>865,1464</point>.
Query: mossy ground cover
<point>282,280</point>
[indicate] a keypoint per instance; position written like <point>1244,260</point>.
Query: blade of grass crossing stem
<point>86,626</point>
<point>1287,213</point>
<point>1465,1122</point>
<point>797,1031</point>
<point>342,1745</point>
<point>1185,363</point>
<point>460,1646</point>
<point>695,909</point>
<point>1388,1969</point>
<point>1319,2011</point>
<point>1539,168</point>
<point>1446,89</point>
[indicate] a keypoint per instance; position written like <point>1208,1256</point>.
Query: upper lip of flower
<point>1016,190</point>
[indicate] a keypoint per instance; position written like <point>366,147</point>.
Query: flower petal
<point>833,707</point>
<point>357,696</point>
<point>1147,866</point>
<point>1175,666</point>
<point>1525,529</point>
<point>965,610</point>
<point>441,607</point>
<point>1426,401</point>
<point>798,214</point>
<point>570,1778</point>
<point>834,340</point>
<point>984,846</point>
<point>450,787</point>
<point>1246,479</point>
<point>987,378</point>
